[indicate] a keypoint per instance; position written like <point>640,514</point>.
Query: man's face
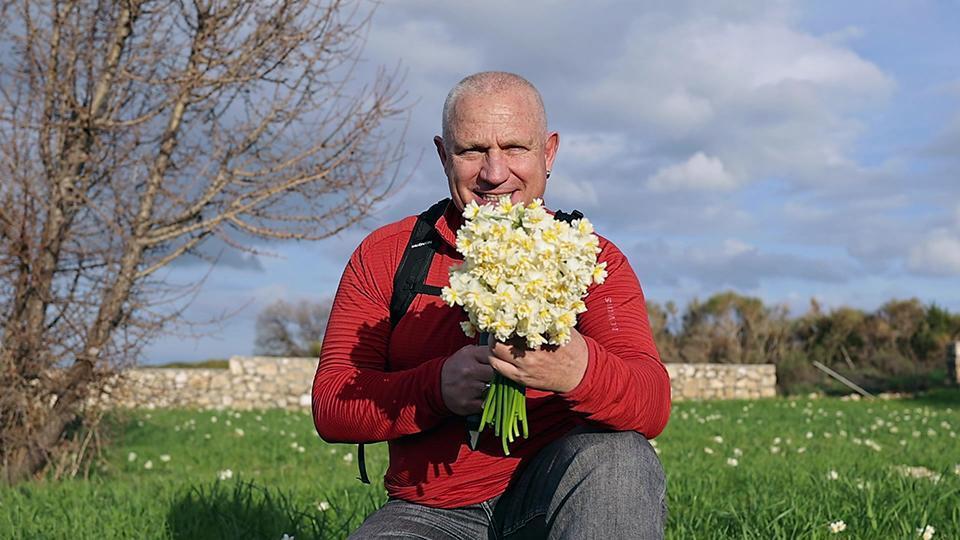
<point>497,147</point>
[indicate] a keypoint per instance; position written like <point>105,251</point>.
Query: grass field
<point>784,468</point>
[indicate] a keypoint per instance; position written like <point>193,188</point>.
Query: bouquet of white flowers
<point>524,276</point>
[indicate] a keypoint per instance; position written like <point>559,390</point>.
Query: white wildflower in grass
<point>239,432</point>
<point>286,537</point>
<point>777,440</point>
<point>213,419</point>
<point>733,462</point>
<point>956,469</point>
<point>293,445</point>
<point>801,450</point>
<point>348,457</point>
<point>833,475</point>
<point>707,450</point>
<point>871,444</point>
<point>206,435</point>
<point>132,456</point>
<point>524,276</point>
<point>148,464</point>
<point>737,452</point>
<point>165,457</point>
<point>718,439</point>
<point>809,435</point>
<point>225,474</point>
<point>140,423</point>
<point>301,449</point>
<point>323,506</point>
<point>918,472</point>
<point>837,526</point>
<point>926,532</point>
<point>774,449</point>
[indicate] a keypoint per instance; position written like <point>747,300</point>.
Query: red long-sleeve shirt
<point>374,384</point>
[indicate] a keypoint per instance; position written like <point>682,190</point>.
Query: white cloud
<point>427,47</point>
<point>700,172</point>
<point>565,193</point>
<point>591,148</point>
<point>764,96</point>
<point>732,263</point>
<point>938,254</point>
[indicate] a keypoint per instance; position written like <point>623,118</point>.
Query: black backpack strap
<point>415,263</point>
<point>563,216</point>
<point>408,281</point>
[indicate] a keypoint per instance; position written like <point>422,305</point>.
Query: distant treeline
<point>900,346</point>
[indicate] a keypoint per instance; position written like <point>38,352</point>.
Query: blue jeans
<point>588,484</point>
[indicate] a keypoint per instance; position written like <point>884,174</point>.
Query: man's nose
<point>495,169</point>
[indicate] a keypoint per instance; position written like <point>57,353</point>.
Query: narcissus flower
<point>524,274</point>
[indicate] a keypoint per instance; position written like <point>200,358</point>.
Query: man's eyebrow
<point>468,145</point>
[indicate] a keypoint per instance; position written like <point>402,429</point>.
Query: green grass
<point>800,464</point>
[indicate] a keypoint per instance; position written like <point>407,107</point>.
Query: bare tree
<point>285,329</point>
<point>132,131</point>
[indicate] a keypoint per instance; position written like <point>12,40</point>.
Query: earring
<point>548,173</point>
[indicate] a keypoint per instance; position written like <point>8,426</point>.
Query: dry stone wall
<point>262,382</point>
<point>722,381</point>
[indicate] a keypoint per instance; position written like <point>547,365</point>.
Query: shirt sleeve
<point>625,386</point>
<point>355,398</point>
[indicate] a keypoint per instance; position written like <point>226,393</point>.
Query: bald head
<point>488,83</point>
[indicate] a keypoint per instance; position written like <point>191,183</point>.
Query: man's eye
<point>516,149</point>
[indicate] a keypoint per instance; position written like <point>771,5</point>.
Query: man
<point>587,470</point>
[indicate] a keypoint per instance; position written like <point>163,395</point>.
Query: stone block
<point>953,363</point>
<point>267,368</point>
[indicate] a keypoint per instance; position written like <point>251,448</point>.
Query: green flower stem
<point>505,408</point>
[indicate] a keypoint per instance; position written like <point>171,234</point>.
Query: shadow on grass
<point>939,397</point>
<point>245,510</point>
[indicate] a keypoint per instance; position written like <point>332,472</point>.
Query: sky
<point>783,150</point>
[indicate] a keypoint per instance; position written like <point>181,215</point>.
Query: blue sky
<point>787,150</point>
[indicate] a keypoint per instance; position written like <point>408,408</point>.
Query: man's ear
<point>550,148</point>
<point>441,151</point>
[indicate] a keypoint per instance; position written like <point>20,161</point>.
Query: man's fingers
<point>506,369</point>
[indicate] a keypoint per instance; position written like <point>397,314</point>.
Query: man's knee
<point>604,479</point>
<point>626,454</point>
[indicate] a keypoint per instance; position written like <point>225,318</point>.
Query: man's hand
<point>554,369</point>
<point>463,379</point>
